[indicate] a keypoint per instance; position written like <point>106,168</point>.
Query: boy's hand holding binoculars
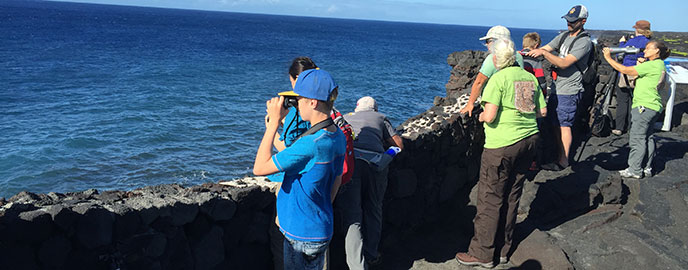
<point>276,112</point>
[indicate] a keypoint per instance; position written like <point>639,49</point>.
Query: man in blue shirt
<point>312,166</point>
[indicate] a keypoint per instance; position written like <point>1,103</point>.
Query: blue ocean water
<point>114,97</point>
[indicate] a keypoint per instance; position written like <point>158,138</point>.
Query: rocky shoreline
<point>585,217</point>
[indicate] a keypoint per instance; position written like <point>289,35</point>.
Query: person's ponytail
<point>300,64</point>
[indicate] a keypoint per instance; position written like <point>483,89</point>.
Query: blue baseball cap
<point>314,84</point>
<point>576,13</point>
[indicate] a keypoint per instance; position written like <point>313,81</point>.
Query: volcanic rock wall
<point>160,227</point>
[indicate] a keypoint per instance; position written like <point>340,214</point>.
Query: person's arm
<point>396,141</point>
<point>489,113</point>
<point>541,112</point>
<point>478,84</point>
<point>389,134</point>
<point>540,51</point>
<point>547,48</point>
<point>279,144</point>
<point>263,164</point>
<point>622,41</point>
<point>616,65</point>
<point>558,61</point>
<point>335,187</point>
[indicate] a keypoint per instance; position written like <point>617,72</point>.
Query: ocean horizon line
<point>297,16</point>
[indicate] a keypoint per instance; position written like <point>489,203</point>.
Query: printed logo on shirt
<point>524,94</point>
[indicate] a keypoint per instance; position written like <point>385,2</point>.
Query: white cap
<point>497,32</point>
<point>366,104</point>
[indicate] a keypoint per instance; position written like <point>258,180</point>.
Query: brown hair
<point>531,40</point>
<point>664,51</point>
<point>300,64</point>
<point>644,32</point>
<point>333,96</point>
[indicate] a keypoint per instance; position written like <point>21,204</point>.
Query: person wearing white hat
<point>488,67</point>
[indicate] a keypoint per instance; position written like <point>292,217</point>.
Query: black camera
<point>290,101</point>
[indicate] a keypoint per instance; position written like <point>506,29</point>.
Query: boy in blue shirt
<point>312,166</point>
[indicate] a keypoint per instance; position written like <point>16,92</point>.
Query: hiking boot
<point>647,172</point>
<point>628,174</point>
<point>466,259</point>
<point>617,132</point>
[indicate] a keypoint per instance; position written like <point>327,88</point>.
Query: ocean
<point>116,97</point>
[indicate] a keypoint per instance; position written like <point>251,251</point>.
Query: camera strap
<point>320,125</point>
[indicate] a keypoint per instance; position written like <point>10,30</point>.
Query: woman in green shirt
<point>512,100</point>
<point>646,105</point>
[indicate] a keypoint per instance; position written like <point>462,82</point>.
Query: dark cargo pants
<point>502,173</point>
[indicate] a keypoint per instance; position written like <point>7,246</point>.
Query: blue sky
<point>665,15</point>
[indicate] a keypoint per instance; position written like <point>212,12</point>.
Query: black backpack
<point>587,70</point>
<point>600,118</point>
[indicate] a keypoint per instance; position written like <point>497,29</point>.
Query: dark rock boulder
<point>54,251</point>
<point>94,226</point>
<point>219,209</point>
<point>209,250</point>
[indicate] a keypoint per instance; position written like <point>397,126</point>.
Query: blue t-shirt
<point>293,127</point>
<point>310,165</point>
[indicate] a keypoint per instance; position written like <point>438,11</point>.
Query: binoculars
<point>290,101</point>
<point>624,50</point>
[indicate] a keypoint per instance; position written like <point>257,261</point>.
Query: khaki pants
<point>502,173</point>
<point>641,139</point>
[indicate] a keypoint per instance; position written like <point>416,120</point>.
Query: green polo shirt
<point>650,77</point>
<point>518,95</point>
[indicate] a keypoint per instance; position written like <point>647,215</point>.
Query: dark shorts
<point>565,107</point>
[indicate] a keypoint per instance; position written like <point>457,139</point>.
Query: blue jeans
<point>304,255</point>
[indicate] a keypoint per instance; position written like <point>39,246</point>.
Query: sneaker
<point>503,260</point>
<point>647,172</point>
<point>468,260</point>
<point>617,132</point>
<point>628,174</point>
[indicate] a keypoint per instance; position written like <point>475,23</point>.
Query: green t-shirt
<point>488,68</point>
<point>518,95</point>
<point>647,85</point>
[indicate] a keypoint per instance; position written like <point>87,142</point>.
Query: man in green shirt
<point>512,101</point>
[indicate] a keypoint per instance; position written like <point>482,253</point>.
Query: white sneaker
<point>617,132</point>
<point>628,174</point>
<point>503,260</point>
<point>647,172</point>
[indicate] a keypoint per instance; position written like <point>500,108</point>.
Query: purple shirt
<point>638,42</point>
